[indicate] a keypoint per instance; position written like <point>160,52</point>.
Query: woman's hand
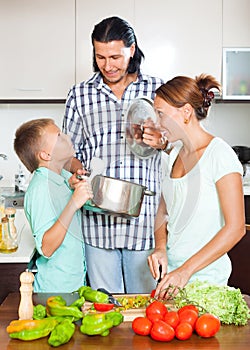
<point>152,135</point>
<point>155,260</point>
<point>171,282</point>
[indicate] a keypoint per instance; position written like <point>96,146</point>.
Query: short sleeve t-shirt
<point>45,199</point>
<point>194,209</point>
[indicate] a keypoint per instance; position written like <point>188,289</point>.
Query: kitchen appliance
<point>236,73</point>
<point>243,153</point>
<point>116,197</point>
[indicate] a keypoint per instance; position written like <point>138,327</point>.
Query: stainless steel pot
<point>119,197</point>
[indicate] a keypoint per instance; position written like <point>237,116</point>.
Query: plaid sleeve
<point>72,124</point>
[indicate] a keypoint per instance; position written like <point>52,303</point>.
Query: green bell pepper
<point>78,302</point>
<point>96,324</point>
<point>39,312</point>
<point>56,306</point>
<point>31,329</point>
<point>93,295</point>
<point>115,316</point>
<point>62,333</point>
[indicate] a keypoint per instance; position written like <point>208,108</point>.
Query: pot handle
<point>149,193</point>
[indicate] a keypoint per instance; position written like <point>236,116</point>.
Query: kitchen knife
<point>160,271</point>
<point>112,299</point>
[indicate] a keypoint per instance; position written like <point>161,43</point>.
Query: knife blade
<point>111,299</point>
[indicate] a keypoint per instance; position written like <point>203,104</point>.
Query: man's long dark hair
<point>115,28</point>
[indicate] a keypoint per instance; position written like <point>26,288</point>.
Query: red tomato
<point>103,307</point>
<point>207,325</point>
<point>172,318</point>
<point>141,325</point>
<point>152,295</point>
<point>162,331</point>
<point>156,307</point>
<point>183,331</point>
<point>155,317</point>
<point>189,316</point>
<point>188,307</point>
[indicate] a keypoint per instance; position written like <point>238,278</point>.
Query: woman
<point>201,212</point>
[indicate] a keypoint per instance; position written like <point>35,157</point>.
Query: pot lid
<point>140,110</point>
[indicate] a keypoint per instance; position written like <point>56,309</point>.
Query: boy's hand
<point>73,180</point>
<point>82,193</point>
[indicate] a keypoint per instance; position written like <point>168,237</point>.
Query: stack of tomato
<point>164,325</point>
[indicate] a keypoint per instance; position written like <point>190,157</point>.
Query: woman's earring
<point>186,121</point>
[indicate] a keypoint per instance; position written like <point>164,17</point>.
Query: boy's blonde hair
<point>28,141</point>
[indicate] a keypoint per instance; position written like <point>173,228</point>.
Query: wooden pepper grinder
<point>25,310</point>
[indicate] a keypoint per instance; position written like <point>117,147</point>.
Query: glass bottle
<point>2,206</point>
<point>10,214</point>
<point>7,244</point>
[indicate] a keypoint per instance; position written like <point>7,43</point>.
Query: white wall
<point>230,121</point>
<point>12,116</point>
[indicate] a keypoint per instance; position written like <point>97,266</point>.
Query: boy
<point>52,206</point>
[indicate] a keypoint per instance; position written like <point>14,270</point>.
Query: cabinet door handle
<point>30,89</point>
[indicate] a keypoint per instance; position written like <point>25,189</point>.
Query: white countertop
<point>246,190</point>
<point>26,247</point>
<point>246,186</point>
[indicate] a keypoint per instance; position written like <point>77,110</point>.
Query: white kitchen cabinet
<point>177,37</point>
<point>180,37</point>
<point>236,23</point>
<point>87,15</point>
<point>37,59</point>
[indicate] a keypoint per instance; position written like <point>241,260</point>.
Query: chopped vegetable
<point>134,302</point>
<point>225,302</point>
<point>103,307</point>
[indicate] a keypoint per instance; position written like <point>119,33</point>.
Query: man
<point>116,248</point>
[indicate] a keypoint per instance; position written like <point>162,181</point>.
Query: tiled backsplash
<point>229,121</point>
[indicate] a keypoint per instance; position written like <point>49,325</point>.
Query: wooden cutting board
<point>129,314</point>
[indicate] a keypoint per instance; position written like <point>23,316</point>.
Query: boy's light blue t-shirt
<point>46,197</point>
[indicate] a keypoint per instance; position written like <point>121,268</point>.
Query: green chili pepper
<point>93,295</point>
<point>62,333</point>
<point>39,312</point>
<point>31,329</point>
<point>56,306</point>
<point>96,324</point>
